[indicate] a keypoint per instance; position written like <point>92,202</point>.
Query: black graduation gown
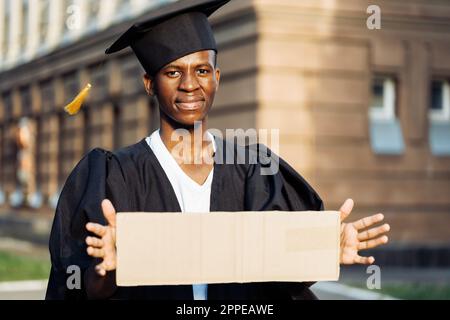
<point>133,180</point>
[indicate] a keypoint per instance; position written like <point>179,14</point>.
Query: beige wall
<point>316,60</point>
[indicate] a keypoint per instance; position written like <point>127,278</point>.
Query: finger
<point>96,228</point>
<point>109,212</point>
<point>94,242</point>
<point>96,253</point>
<point>364,260</point>
<point>368,221</point>
<point>109,264</point>
<point>373,243</point>
<point>100,270</point>
<point>373,233</point>
<point>346,208</point>
<point>104,267</point>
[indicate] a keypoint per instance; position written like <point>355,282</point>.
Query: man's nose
<point>189,83</point>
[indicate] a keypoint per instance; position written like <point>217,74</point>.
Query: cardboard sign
<point>223,247</point>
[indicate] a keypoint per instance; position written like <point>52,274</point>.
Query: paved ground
<point>35,290</point>
<point>340,291</point>
<point>23,290</point>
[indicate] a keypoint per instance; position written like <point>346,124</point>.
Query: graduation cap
<point>173,31</point>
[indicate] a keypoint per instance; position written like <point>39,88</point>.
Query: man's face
<point>186,87</point>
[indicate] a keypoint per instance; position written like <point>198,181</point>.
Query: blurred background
<point>362,113</point>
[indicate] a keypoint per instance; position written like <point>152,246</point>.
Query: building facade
<point>361,113</point>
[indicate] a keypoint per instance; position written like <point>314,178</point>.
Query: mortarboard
<point>173,31</point>
<point>166,34</point>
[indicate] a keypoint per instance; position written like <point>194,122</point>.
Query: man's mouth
<point>189,105</point>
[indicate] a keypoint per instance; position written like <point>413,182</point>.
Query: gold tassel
<point>75,106</point>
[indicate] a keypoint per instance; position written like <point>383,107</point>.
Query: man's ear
<point>148,84</point>
<point>217,78</point>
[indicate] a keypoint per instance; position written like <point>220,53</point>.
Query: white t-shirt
<point>191,196</point>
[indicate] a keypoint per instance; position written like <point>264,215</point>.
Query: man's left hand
<point>358,235</point>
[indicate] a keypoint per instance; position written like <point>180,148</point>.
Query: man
<point>179,54</point>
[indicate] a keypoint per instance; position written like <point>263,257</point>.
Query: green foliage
<point>18,267</point>
<point>418,291</point>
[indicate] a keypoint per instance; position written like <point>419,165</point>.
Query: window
<point>439,116</point>
<point>99,81</point>
<point>7,106</point>
<point>47,95</point>
<point>24,29</point>
<point>6,28</point>
<point>123,4</point>
<point>25,101</point>
<point>123,9</point>
<point>440,101</point>
<point>93,12</point>
<point>2,197</point>
<point>385,131</point>
<point>44,15</point>
<point>383,99</point>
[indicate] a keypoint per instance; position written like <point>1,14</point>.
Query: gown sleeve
<point>79,203</point>
<point>272,184</point>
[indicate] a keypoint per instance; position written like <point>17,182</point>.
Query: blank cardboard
<point>223,247</point>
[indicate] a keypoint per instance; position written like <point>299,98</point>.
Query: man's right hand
<point>103,246</point>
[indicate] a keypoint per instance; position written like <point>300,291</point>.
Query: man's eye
<point>173,74</point>
<point>202,71</point>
